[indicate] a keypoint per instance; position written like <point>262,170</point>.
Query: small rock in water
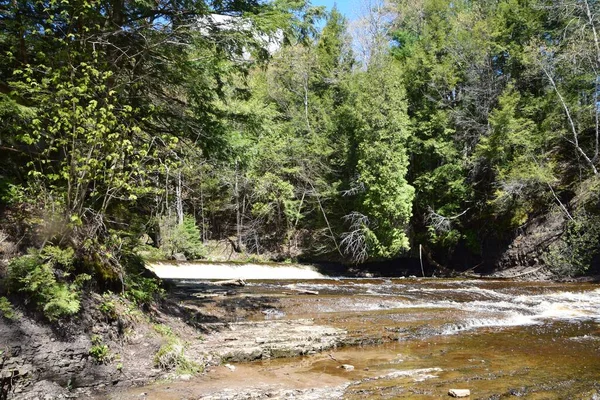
<point>348,367</point>
<point>230,367</point>
<point>459,392</point>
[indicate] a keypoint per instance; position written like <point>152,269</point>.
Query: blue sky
<point>347,7</point>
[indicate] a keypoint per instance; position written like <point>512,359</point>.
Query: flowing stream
<point>416,339</point>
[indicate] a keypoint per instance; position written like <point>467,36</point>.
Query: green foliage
<point>108,307</point>
<point>383,195</point>
<point>171,357</point>
<point>573,253</point>
<point>6,309</point>
<point>182,237</point>
<point>61,301</point>
<point>150,253</point>
<point>486,117</point>
<point>163,330</point>
<point>99,351</point>
<point>142,291</point>
<point>34,275</point>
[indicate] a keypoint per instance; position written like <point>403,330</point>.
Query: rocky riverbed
<point>382,338</point>
<point>329,339</point>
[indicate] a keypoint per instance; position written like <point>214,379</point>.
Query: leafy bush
<point>6,309</point>
<point>58,257</point>
<point>181,238</point>
<point>60,301</point>
<point>99,351</point>
<point>141,290</point>
<point>573,253</point>
<point>108,307</point>
<point>35,275</point>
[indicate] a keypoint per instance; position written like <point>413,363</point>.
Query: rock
<point>304,291</point>
<point>179,257</point>
<point>347,367</point>
<point>230,282</point>
<point>230,367</point>
<point>459,392</point>
<point>256,340</point>
<point>185,377</point>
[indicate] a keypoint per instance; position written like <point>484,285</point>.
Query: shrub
<point>60,301</point>
<point>181,238</point>
<point>572,254</point>
<point>108,307</point>
<point>35,275</point>
<point>99,351</point>
<point>141,290</point>
<point>171,357</point>
<point>6,309</point>
<point>150,253</point>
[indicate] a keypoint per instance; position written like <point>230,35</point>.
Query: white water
<point>233,271</point>
<point>473,304</point>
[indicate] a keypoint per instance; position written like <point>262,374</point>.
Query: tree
<point>382,197</point>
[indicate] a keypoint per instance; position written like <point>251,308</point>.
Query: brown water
<point>415,339</point>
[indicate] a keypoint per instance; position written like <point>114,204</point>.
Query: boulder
<point>459,392</point>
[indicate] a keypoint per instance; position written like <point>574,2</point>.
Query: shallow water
<point>416,339</point>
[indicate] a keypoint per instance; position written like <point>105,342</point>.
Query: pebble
<point>348,367</point>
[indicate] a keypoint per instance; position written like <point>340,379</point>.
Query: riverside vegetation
<point>468,132</point>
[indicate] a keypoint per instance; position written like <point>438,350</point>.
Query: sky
<point>347,7</point>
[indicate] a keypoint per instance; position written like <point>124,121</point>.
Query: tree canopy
<point>156,128</point>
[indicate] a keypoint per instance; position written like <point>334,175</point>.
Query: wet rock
<point>268,339</point>
<point>347,367</point>
<point>179,257</point>
<point>230,282</point>
<point>46,390</point>
<point>331,393</point>
<point>230,367</point>
<point>459,392</point>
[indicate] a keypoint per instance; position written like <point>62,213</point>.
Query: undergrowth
<point>6,309</point>
<point>171,357</point>
<point>42,277</point>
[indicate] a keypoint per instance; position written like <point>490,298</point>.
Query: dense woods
<point>155,128</point>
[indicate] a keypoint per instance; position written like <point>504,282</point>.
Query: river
<point>410,339</point>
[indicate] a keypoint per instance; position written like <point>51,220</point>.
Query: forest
<point>152,128</point>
